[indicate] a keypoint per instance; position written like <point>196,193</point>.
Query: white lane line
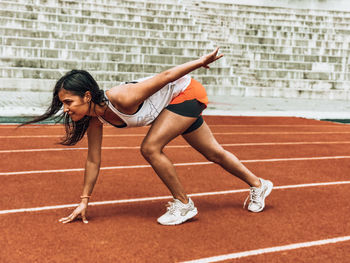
<point>102,168</point>
<point>262,133</point>
<point>60,136</point>
<point>146,199</point>
<point>53,126</point>
<point>43,150</point>
<point>143,134</point>
<point>176,164</point>
<point>173,146</point>
<point>335,125</point>
<point>270,250</point>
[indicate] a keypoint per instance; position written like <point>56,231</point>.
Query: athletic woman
<point>172,103</point>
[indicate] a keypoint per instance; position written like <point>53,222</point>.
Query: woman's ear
<point>87,96</point>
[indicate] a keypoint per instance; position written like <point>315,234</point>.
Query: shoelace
<point>171,207</point>
<point>254,195</point>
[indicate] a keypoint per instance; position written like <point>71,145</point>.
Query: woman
<point>171,102</point>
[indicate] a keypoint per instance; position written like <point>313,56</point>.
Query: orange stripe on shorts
<point>194,91</point>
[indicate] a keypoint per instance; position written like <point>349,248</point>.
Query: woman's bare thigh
<point>166,127</point>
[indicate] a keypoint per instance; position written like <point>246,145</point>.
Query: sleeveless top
<point>152,106</point>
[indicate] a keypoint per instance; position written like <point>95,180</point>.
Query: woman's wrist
<point>85,198</point>
<point>201,61</point>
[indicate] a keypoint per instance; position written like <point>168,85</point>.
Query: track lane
<point>109,130</point>
<point>325,253</point>
<point>39,143</point>
<point>32,190</point>
<point>70,159</point>
<point>136,141</point>
<point>135,224</point>
<point>239,231</point>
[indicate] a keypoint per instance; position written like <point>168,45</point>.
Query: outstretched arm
<point>134,94</point>
<point>181,70</point>
<point>92,168</point>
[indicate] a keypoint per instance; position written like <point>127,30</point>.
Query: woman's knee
<point>149,150</point>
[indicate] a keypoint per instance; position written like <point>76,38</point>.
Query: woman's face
<point>76,106</point>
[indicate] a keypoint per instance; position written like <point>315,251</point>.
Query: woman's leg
<point>166,127</point>
<point>204,142</point>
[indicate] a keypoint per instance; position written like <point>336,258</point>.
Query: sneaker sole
<point>267,193</point>
<point>188,216</point>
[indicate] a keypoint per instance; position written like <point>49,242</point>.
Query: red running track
<point>305,219</point>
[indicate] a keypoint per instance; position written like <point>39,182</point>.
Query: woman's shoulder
<point>119,95</point>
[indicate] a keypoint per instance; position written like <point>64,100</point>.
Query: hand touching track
<point>79,211</point>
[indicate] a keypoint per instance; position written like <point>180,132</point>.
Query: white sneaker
<point>178,212</point>
<point>257,196</point>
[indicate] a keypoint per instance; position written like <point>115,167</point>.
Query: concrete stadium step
<point>114,76</point>
<point>298,57</point>
<point>66,45</point>
<point>34,24</point>
<point>89,9</point>
<point>103,31</point>
<point>227,10</point>
<point>108,79</point>
<point>24,103</point>
<point>36,84</point>
<point>227,15</point>
<point>47,85</point>
<point>282,41</point>
<point>34,42</point>
<point>302,84</point>
<point>86,55</point>
<point>241,21</point>
<point>273,92</point>
<point>283,38</point>
<point>298,65</point>
<point>35,73</point>
<point>285,61</point>
<point>253,59</point>
<point>22,37</point>
<point>26,84</point>
<point>290,50</point>
<point>288,28</point>
<point>108,67</point>
<point>300,74</point>
<point>162,5</point>
<point>106,5</point>
<point>97,18</point>
<point>277,33</point>
<point>321,14</point>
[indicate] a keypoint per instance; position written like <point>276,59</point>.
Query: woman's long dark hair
<point>78,82</point>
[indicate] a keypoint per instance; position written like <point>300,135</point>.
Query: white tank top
<point>153,105</point>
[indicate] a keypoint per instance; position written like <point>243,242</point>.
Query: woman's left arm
<point>92,168</point>
<point>135,94</point>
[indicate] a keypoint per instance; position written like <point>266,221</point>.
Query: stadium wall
<point>293,49</point>
<point>339,5</point>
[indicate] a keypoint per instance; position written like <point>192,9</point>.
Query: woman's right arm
<point>92,169</point>
<point>132,95</point>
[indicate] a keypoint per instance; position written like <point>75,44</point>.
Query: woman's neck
<point>97,110</point>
